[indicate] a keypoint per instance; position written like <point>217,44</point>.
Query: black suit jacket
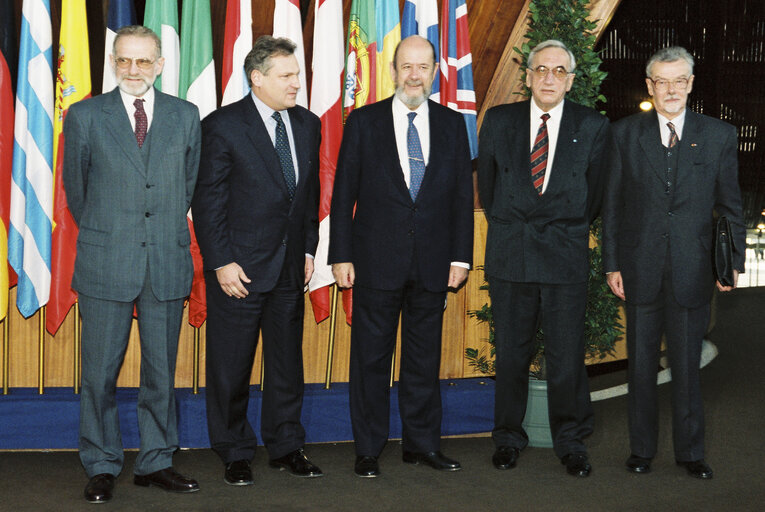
<point>533,238</point>
<point>389,231</point>
<point>640,218</point>
<point>241,208</point>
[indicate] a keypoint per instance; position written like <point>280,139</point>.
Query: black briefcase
<point>722,257</point>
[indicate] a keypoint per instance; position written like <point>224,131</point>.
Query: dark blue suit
<point>402,252</point>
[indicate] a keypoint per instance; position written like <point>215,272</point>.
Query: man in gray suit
<point>670,170</point>
<point>130,166</point>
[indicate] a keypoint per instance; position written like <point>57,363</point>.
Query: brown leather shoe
<point>100,488</point>
<point>167,479</point>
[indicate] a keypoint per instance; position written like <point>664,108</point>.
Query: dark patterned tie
<point>672,135</point>
<point>282,145</point>
<point>416,161</point>
<point>539,155</point>
<point>141,122</point>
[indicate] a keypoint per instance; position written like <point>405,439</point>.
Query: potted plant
<point>565,20</point>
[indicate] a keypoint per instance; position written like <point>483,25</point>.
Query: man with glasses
<point>540,169</point>
<point>670,170</point>
<point>130,164</point>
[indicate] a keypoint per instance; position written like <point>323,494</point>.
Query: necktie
<point>672,135</point>
<point>539,155</point>
<point>141,122</point>
<point>416,161</point>
<point>282,145</point>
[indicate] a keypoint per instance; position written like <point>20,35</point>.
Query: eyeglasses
<point>559,73</point>
<point>662,84</point>
<point>124,63</point>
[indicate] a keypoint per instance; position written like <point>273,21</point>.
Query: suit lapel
<point>438,139</point>
<point>690,145</point>
<point>565,148</point>
<point>118,125</point>
<point>521,150</point>
<point>261,140</point>
<point>163,123</point>
<point>650,142</point>
<point>297,122</point>
<point>384,127</point>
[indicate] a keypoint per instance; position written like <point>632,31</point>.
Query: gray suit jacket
<point>131,211</point>
<point>640,220</point>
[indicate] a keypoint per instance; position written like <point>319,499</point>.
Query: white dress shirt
<point>553,128</point>
<point>148,106</point>
<point>678,122</point>
<point>265,113</point>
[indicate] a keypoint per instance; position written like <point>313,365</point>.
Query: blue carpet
<point>50,421</point>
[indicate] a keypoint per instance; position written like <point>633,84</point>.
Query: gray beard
<point>412,102</point>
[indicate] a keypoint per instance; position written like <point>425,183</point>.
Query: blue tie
<point>416,162</point>
<point>282,145</point>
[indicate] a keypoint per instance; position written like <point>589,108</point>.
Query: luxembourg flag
<point>289,24</point>
<point>420,17</point>
<point>327,103</point>
<point>237,42</point>
<point>162,17</point>
<point>121,14</point>
<point>29,240</point>
<point>456,68</point>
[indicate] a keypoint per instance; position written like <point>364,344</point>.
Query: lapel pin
<point>693,144</point>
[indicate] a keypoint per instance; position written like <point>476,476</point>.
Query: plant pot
<point>536,423</point>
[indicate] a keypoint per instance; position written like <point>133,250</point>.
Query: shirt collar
<point>555,113</point>
<point>400,109</point>
<point>264,110</point>
<point>678,122</point>
<point>129,99</point>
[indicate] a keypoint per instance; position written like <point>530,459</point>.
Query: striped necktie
<point>539,155</point>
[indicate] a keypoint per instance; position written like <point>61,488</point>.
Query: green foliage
<point>566,21</point>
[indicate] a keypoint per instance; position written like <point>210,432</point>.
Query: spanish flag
<point>72,85</point>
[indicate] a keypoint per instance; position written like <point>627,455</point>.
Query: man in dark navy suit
<point>540,168</point>
<point>256,218</point>
<point>404,166</point>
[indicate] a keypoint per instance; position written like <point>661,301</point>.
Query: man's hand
<point>231,278</point>
<point>729,288</point>
<point>457,276</point>
<point>614,280</point>
<point>344,274</point>
<point>308,270</point>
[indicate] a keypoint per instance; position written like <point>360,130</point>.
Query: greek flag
<point>29,240</point>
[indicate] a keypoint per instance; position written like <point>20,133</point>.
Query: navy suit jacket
<point>389,232</point>
<point>241,209</point>
<point>640,220</point>
<point>533,238</point>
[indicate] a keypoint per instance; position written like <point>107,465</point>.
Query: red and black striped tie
<point>539,155</point>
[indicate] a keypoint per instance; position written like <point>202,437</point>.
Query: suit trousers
<point>373,339</point>
<point>233,326</point>
<point>517,308</point>
<point>105,332</point>
<point>684,330</point>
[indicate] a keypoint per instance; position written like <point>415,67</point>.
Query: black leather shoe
<point>297,463</point>
<point>366,466</point>
<point>505,457</point>
<point>100,488</point>
<point>435,460</point>
<point>167,479</point>
<point>576,464</point>
<point>637,464</point>
<point>697,468</point>
<point>238,473</point>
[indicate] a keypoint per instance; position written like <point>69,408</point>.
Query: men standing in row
<point>256,218</point>
<point>670,170</point>
<point>404,167</point>
<point>540,171</point>
<point>130,164</point>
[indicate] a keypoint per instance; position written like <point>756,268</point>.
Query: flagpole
<point>6,351</point>
<point>195,378</point>
<point>77,355</point>
<point>262,367</point>
<point>331,343</point>
<point>392,367</point>
<point>41,351</point>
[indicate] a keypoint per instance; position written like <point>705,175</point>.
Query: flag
<point>388,33</point>
<point>29,239</point>
<point>121,14</point>
<point>197,80</point>
<point>7,55</point>
<point>288,23</point>
<point>326,102</point>
<point>360,85</point>
<point>237,43</point>
<point>456,68</point>
<point>162,17</point>
<point>72,85</point>
<point>420,17</point>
